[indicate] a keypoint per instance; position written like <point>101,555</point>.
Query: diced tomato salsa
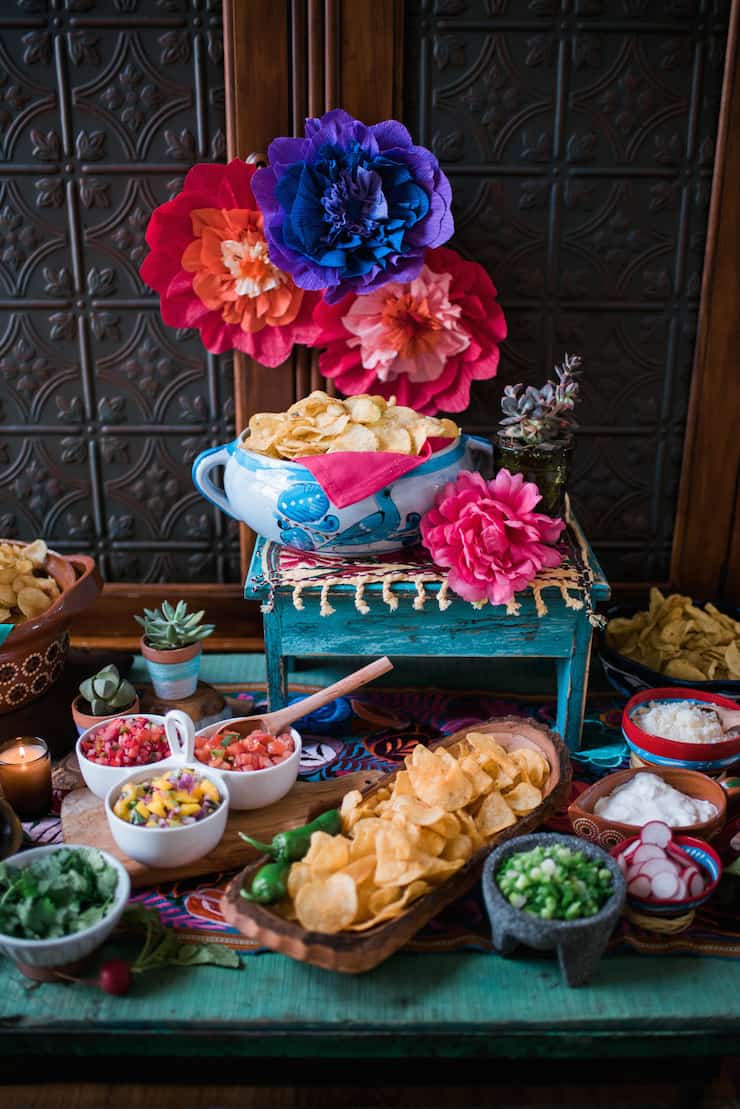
<point>257,751</point>
<point>133,742</point>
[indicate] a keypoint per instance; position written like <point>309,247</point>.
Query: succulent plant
<point>107,692</point>
<point>544,415</point>
<point>168,627</point>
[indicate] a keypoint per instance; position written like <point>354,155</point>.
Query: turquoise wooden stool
<point>321,607</point>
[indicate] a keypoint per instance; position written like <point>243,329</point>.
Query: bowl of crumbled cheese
<point>616,807</point>
<point>680,728</point>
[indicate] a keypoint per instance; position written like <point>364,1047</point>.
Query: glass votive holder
<point>25,776</point>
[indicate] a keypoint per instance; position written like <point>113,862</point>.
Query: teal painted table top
<point>414,1005</point>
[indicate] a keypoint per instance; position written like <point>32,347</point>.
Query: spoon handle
<point>729,718</point>
<point>282,717</point>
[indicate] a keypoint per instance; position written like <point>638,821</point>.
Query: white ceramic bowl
<point>168,847</point>
<point>66,949</point>
<point>254,789</point>
<point>99,779</point>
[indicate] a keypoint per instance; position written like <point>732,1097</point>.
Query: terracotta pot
<point>33,655</point>
<point>174,673</point>
<point>85,720</point>
<point>608,832</point>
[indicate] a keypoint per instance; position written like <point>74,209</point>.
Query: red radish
<point>622,864</point>
<point>653,867</point>
<point>115,977</point>
<point>696,885</point>
<point>657,833</point>
<point>647,851</point>
<point>665,886</point>
<point>639,887</point>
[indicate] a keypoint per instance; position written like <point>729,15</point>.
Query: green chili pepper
<point>294,844</point>
<point>269,883</point>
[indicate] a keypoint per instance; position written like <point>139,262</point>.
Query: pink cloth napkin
<point>349,476</point>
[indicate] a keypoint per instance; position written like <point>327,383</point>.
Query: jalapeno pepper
<point>294,844</point>
<point>269,883</point>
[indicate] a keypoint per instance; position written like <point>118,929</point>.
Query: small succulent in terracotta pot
<point>172,645</point>
<point>101,696</point>
<point>535,436</point>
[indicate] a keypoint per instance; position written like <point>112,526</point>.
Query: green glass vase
<point>546,464</point>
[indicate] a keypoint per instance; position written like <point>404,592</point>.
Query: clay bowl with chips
<point>401,905</point>
<point>58,588</point>
<point>712,757</point>
<point>283,501</point>
<point>628,675</point>
<point>608,832</point>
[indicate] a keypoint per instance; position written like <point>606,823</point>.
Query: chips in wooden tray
<point>679,640</point>
<point>400,842</point>
<point>24,590</point>
<point>320,424</point>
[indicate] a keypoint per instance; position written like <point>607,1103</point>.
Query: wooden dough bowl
<point>355,952</point>
<point>33,655</point>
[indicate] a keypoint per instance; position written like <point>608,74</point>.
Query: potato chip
<point>732,660</point>
<point>327,853</point>
<point>523,798</point>
<point>364,409</point>
<point>327,905</point>
<point>355,438</point>
<point>32,602</point>
<point>494,815</point>
<point>416,811</point>
<point>459,847</point>
<point>533,764</point>
<point>438,780</point>
<point>300,873</point>
<point>480,781</point>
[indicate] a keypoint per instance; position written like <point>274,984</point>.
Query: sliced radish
<point>647,851</point>
<point>665,886</point>
<point>622,864</point>
<point>679,856</point>
<point>657,833</point>
<point>639,887</point>
<point>683,890</point>
<point>696,885</point>
<point>629,851</point>
<point>653,867</point>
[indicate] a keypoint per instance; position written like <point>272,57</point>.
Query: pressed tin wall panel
<point>579,139</point>
<point>104,105</point>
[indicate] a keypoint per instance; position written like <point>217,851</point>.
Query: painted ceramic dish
<point>608,832</point>
<point>283,501</point>
<point>651,750</point>
<point>703,855</point>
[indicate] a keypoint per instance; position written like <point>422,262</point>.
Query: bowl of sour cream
<point>616,807</point>
<point>679,728</point>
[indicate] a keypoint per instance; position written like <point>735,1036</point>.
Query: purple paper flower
<point>351,207</point>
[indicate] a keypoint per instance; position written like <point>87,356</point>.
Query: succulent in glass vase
<point>103,695</point>
<point>535,435</point>
<point>171,645</point>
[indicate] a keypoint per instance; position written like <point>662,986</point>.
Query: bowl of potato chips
<point>40,592</point>
<point>267,488</point>
<point>675,641</point>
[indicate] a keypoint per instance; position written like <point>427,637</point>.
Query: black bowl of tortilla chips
<point>674,640</point>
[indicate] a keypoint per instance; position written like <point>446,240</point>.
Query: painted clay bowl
<point>32,657</point>
<point>608,832</point>
<point>283,501</point>
<point>706,859</point>
<point>653,750</point>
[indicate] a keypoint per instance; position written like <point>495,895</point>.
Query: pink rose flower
<point>488,535</point>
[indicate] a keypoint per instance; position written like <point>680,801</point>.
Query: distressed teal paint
<point>563,634</point>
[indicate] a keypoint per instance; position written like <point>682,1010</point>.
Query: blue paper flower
<point>350,207</point>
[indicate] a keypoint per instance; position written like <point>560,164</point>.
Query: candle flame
<point>22,751</point>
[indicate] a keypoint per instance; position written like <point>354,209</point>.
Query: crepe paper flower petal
<point>210,264</point>
<point>349,207</point>
<point>423,341</point>
<point>489,537</point>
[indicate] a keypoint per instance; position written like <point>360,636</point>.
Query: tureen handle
<point>180,732</point>
<point>202,467</point>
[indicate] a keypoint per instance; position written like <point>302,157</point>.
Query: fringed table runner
<point>403,575</point>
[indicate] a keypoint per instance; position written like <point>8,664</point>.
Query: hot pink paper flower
<point>488,535</point>
<point>422,341</point>
<point>209,262</point>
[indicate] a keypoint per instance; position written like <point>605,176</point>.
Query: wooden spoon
<point>728,718</point>
<point>275,722</point>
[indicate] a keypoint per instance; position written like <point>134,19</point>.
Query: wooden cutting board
<point>84,822</point>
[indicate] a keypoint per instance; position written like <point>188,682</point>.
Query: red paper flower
<point>209,263</point>
<point>422,341</point>
<point>488,535</point>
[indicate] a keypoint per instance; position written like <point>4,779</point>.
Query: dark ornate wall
<point>104,105</point>
<point>579,138</point>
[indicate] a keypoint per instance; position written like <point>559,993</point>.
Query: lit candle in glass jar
<point>25,776</point>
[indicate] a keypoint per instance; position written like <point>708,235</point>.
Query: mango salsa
<point>170,800</point>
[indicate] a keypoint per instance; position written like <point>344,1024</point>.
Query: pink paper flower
<point>210,264</point>
<point>422,341</point>
<point>488,535</point>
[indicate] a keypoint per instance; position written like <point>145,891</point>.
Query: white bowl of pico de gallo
<point>257,769</point>
<point>108,752</point>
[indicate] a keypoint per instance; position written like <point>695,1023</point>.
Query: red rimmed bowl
<point>608,832</point>
<point>653,750</point>
<point>705,857</point>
